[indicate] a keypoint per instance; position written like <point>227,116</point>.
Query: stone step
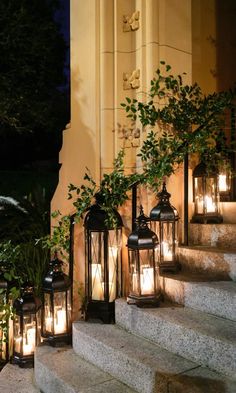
<point>215,235</point>
<point>217,298</point>
<point>141,364</point>
<point>195,335</point>
<point>14,379</point>
<point>60,370</point>
<point>213,262</point>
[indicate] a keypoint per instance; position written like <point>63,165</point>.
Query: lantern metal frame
<point>26,335</point>
<point>164,219</point>
<point>144,288</point>
<point>103,268</point>
<point>206,209</point>
<point>56,310</point>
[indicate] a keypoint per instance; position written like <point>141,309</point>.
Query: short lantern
<point>103,263</point>
<point>206,196</point>
<point>26,327</point>
<point>4,332</point>
<point>164,219</point>
<point>144,288</point>
<point>56,314</point>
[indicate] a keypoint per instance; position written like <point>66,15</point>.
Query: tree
<point>32,98</point>
<point>187,120</point>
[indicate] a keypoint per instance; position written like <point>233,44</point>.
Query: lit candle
<point>222,183</point>
<point>97,290</point>
<point>60,321</point>
<point>147,281</point>
<point>29,341</point>
<point>48,324</point>
<point>135,282</point>
<point>167,253</point>
<point>112,291</point>
<point>210,206</point>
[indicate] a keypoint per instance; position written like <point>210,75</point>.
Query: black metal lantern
<point>164,218</point>
<point>103,263</point>
<point>26,327</point>
<point>143,272</point>
<point>4,332</point>
<point>56,315</point>
<point>206,196</point>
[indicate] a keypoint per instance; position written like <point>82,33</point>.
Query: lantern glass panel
<point>210,201</point>
<point>17,335</point>
<point>48,319</point>
<point>114,262</point>
<point>60,320</point>
<point>146,272</point>
<point>133,271</point>
<point>167,243</point>
<point>97,266</point>
<point>29,334</point>
<point>198,190</point>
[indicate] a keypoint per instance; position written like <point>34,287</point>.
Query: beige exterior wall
<point>179,32</point>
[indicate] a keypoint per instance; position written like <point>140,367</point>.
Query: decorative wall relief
<point>131,23</point>
<point>130,134</point>
<point>131,80</point>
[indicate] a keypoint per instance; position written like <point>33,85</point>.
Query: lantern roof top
<point>201,170</point>
<point>28,302</point>
<point>142,237</point>
<point>56,279</point>
<point>97,218</point>
<point>164,211</point>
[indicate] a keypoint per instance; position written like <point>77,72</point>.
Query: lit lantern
<point>56,314</point>
<point>164,219</point>
<point>103,263</point>
<point>26,327</point>
<point>206,195</point>
<point>4,337</point>
<point>144,287</point>
<point>225,182</point>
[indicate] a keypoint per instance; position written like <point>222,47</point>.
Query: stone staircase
<point>187,345</point>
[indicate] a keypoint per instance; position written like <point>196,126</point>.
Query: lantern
<point>4,336</point>
<point>144,287</point>
<point>56,315</point>
<point>26,327</point>
<point>225,182</point>
<point>164,218</point>
<point>103,263</point>
<point>205,196</point>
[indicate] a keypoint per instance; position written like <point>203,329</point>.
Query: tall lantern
<point>26,327</point>
<point>164,218</point>
<point>56,315</point>
<point>206,196</point>
<point>103,263</point>
<point>143,273</point>
<point>4,335</point>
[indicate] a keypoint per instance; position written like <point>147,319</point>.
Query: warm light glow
<point>147,281</point>
<point>210,206</point>
<point>97,292</point>
<point>112,252</point>
<point>167,251</point>
<point>222,183</point>
<point>28,341</point>
<point>60,321</point>
<point>48,324</point>
<point>135,282</point>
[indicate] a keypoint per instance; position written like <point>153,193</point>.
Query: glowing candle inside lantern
<point>97,290</point>
<point>167,252</point>
<point>135,283</point>
<point>60,321</point>
<point>29,341</point>
<point>222,183</point>
<point>48,324</point>
<point>147,281</point>
<point>210,206</point>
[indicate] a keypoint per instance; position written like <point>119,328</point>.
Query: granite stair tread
<point>216,263</point>
<point>60,370</point>
<point>193,334</point>
<point>142,364</point>
<point>196,291</point>
<point>14,379</point>
<point>220,235</point>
